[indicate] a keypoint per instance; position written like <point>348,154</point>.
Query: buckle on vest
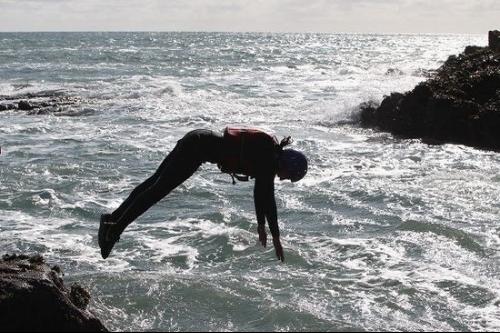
<point>239,177</point>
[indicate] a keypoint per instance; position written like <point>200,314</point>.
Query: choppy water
<point>383,234</point>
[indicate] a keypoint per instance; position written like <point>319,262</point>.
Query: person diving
<point>241,152</point>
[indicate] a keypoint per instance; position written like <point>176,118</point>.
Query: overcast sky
<point>456,16</point>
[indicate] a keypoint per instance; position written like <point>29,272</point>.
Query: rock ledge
<point>460,103</point>
<point>33,298</point>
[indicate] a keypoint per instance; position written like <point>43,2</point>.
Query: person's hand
<point>279,249</point>
<point>262,234</point>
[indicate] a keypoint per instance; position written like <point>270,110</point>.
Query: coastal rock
<point>42,102</point>
<point>494,40</point>
<point>6,107</point>
<point>460,103</point>
<point>33,298</point>
<point>25,105</point>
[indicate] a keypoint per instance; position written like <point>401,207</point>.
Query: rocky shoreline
<point>37,103</point>
<point>33,297</point>
<point>460,103</point>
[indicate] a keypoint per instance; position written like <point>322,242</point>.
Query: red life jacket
<point>246,150</point>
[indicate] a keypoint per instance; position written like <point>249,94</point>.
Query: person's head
<point>292,165</point>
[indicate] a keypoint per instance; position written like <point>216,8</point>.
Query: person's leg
<point>174,173</point>
<point>197,146</point>
<point>115,216</point>
<point>190,152</point>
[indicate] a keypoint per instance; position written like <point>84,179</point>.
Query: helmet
<point>294,164</point>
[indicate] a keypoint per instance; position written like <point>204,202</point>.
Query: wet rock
<point>25,106</point>
<point>79,296</point>
<point>460,103</point>
<point>6,107</point>
<point>471,49</point>
<point>42,102</point>
<point>33,298</point>
<point>494,40</point>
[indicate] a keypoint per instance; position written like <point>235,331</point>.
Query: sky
<point>358,16</point>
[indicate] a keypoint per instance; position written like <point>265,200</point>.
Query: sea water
<point>382,234</point>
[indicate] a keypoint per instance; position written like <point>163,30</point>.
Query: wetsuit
<point>255,155</point>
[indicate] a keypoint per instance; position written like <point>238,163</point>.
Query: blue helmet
<point>294,164</point>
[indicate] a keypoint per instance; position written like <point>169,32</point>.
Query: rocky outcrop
<point>33,298</point>
<point>43,102</point>
<point>494,40</point>
<point>460,103</point>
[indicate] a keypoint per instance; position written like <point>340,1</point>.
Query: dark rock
<point>472,49</point>
<point>6,107</point>
<point>25,106</point>
<point>33,298</point>
<point>12,257</point>
<point>36,260</point>
<point>494,40</point>
<point>38,103</point>
<point>57,269</point>
<point>79,296</point>
<point>459,103</point>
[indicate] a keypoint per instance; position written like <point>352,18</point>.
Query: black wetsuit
<point>191,151</point>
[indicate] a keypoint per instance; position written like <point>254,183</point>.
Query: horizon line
<point>245,32</point>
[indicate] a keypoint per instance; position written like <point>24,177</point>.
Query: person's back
<point>249,152</point>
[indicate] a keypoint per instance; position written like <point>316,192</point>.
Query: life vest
<point>243,149</point>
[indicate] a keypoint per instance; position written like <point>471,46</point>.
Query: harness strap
<point>239,177</point>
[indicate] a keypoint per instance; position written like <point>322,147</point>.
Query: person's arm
<point>265,207</point>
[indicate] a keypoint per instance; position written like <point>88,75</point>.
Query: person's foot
<point>106,237</point>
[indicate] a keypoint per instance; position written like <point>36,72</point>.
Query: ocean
<point>382,234</point>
